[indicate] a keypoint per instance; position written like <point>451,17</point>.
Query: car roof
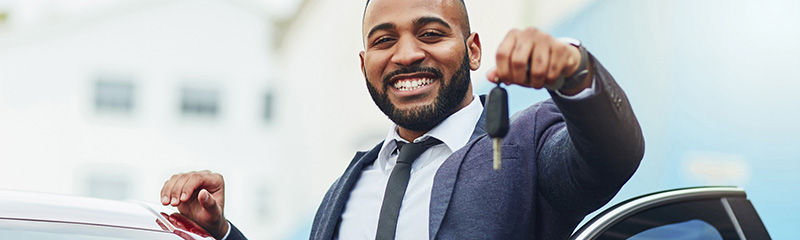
<point>35,206</point>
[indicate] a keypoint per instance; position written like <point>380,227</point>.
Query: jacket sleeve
<point>586,156</point>
<point>235,234</point>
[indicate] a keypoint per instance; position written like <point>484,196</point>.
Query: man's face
<point>417,59</point>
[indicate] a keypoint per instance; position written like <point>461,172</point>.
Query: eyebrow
<point>382,26</point>
<point>427,20</point>
<point>417,22</point>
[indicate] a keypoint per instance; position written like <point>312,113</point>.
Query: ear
<point>474,51</point>
<point>363,70</point>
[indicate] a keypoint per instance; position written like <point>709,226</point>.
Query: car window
<point>688,218</point>
<point>713,212</point>
<point>689,230</point>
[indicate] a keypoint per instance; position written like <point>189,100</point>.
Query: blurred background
<point>109,98</point>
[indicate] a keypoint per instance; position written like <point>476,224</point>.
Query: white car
<point>29,215</point>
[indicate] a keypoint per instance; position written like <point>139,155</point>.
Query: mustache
<point>411,69</point>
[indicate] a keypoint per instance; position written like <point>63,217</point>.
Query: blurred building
<point>110,102</point>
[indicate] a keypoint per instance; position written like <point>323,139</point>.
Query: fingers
<point>173,188</point>
<point>539,64</point>
<point>559,58</point>
<point>167,189</point>
<point>206,200</point>
<point>503,57</point>
<point>215,223</point>
<point>200,196</point>
<point>520,59</point>
<point>180,187</point>
<point>532,58</point>
<point>492,75</point>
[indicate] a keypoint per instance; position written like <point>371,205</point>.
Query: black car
<point>687,213</point>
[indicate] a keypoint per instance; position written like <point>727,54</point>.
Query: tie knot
<point>410,151</point>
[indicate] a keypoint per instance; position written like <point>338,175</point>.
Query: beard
<point>424,118</point>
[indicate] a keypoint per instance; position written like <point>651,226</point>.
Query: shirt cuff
<point>227,233</point>
<point>583,94</point>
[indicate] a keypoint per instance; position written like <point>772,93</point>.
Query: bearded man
<point>562,159</point>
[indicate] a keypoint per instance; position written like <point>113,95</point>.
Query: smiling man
<point>432,177</point>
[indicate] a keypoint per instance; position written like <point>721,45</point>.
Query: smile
<point>411,84</point>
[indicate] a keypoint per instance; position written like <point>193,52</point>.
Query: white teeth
<point>412,84</point>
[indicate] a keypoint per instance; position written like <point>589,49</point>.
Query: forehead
<point>400,12</point>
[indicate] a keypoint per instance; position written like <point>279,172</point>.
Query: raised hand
<point>533,58</point>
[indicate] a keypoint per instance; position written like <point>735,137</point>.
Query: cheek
<point>450,60</point>
<point>374,67</point>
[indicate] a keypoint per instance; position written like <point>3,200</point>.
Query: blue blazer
<point>562,159</point>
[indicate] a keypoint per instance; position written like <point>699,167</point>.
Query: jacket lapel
<point>342,189</point>
<point>443,183</point>
<point>445,179</point>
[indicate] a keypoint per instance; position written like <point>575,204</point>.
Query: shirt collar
<point>454,131</point>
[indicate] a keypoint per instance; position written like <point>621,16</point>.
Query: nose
<point>408,52</point>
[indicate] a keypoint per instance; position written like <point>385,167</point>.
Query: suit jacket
<point>562,159</point>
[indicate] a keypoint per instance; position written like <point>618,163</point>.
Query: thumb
<point>206,200</point>
<point>492,75</point>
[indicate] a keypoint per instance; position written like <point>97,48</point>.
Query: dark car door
<point>688,213</point>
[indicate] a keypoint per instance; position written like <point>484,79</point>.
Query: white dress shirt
<point>360,216</point>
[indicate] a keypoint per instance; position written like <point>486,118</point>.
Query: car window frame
<point>734,200</point>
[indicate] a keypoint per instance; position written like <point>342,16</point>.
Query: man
<point>562,158</point>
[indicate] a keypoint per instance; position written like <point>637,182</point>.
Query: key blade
<point>497,153</point>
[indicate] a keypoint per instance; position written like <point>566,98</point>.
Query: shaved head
<point>463,16</point>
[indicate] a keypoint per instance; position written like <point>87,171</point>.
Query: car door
<point>688,213</point>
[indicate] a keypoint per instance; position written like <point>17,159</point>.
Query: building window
<point>269,106</point>
<point>114,95</point>
<point>262,198</point>
<point>200,102</point>
<point>108,186</point>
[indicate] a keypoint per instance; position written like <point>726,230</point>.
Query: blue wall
<point>716,90</point>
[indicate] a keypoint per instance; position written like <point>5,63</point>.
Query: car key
<point>497,120</point>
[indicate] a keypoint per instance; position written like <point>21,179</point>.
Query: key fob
<point>497,112</point>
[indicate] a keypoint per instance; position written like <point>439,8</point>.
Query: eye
<point>431,36</point>
<point>382,40</point>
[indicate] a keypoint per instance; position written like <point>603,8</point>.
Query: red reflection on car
<point>185,224</point>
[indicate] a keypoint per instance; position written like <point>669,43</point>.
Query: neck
<point>409,135</point>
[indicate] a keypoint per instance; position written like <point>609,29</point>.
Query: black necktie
<point>396,187</point>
